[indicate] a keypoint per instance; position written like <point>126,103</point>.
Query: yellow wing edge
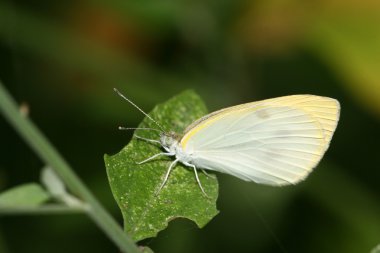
<point>326,110</point>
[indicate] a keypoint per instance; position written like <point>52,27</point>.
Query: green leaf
<point>134,186</point>
<point>26,195</point>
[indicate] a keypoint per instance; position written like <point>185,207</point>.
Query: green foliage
<point>26,195</point>
<point>61,58</point>
<point>134,186</point>
<point>38,142</point>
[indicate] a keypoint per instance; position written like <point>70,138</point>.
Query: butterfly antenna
<point>139,128</point>
<point>138,108</point>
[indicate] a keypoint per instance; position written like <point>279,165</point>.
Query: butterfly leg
<point>147,140</point>
<point>208,175</point>
<point>154,156</point>
<point>196,177</point>
<point>167,175</point>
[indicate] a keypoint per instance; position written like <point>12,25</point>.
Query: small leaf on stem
<point>26,195</point>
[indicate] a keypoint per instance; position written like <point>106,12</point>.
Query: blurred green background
<point>61,60</point>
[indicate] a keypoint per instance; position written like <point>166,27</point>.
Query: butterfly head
<point>169,141</point>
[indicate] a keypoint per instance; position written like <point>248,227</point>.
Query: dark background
<point>62,59</point>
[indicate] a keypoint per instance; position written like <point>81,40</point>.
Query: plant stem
<point>45,209</point>
<point>39,143</point>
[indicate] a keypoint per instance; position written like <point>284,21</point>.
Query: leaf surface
<point>134,186</point>
<point>26,195</point>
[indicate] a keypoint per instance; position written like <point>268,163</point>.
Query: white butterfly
<point>274,142</point>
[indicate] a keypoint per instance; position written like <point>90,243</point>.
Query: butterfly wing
<point>276,141</point>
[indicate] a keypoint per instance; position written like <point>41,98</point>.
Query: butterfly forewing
<point>276,141</point>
